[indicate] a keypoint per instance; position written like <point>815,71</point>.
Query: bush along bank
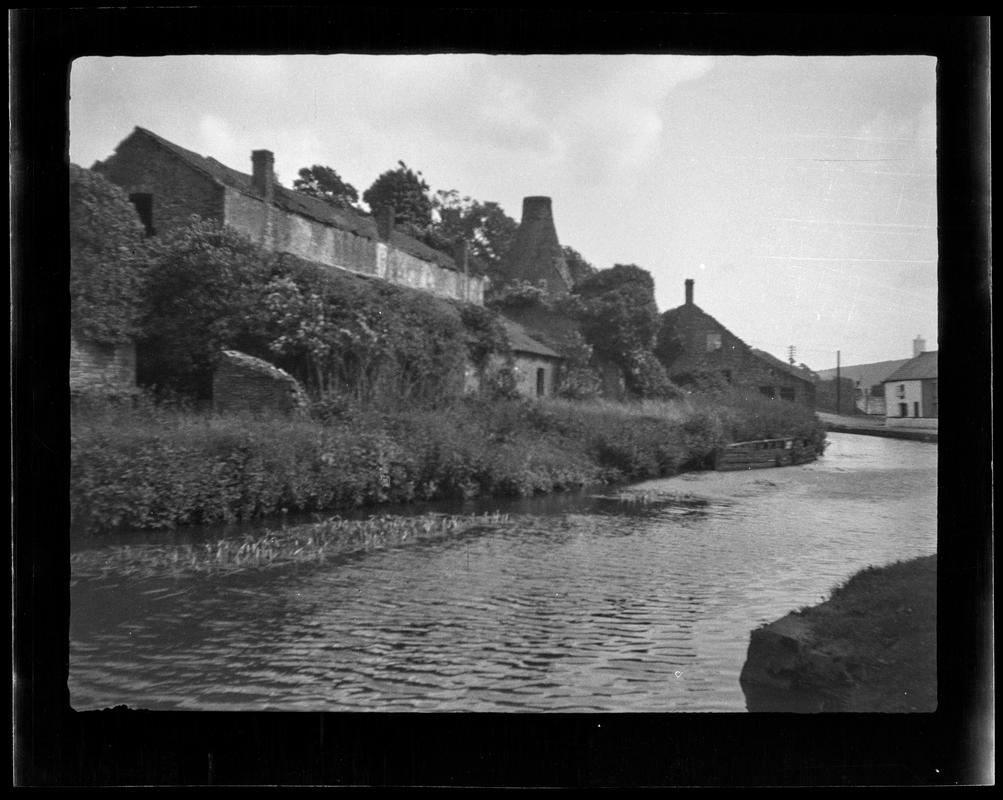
<point>150,467</point>
<point>872,647</point>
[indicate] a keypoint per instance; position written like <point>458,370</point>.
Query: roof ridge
<point>313,207</point>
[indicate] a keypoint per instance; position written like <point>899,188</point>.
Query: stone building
<point>868,379</point>
<point>167,184</point>
<point>536,255</point>
<point>911,393</point>
<point>536,365</point>
<point>693,343</point>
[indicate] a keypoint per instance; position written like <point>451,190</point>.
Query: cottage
<point>536,365</point>
<point>868,379</point>
<point>911,393</point>
<point>167,184</point>
<point>693,343</point>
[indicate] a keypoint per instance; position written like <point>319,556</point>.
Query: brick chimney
<point>263,173</point>
<point>385,222</point>
<point>263,184</point>
<point>918,345</point>
<point>689,291</point>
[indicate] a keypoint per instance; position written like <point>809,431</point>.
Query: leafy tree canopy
<point>581,270</point>
<point>326,184</point>
<point>487,229</point>
<point>406,192</point>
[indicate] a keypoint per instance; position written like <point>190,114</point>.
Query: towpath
<point>874,426</point>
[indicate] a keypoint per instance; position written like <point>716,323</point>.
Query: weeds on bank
<point>152,467</point>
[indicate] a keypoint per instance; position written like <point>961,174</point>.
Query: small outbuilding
<point>536,365</point>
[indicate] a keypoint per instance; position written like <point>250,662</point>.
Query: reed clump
<point>314,543</point>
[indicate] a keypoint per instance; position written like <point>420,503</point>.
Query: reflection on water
<point>583,604</point>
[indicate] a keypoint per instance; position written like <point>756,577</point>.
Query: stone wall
<point>102,368</point>
<point>243,383</point>
<point>526,367</point>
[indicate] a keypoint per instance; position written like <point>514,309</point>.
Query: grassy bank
<point>150,467</point>
<point>872,646</point>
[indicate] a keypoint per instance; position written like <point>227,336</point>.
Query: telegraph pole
<point>837,381</point>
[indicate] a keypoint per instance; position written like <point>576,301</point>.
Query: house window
<point>787,393</point>
<point>713,342</point>
<point>915,409</point>
<point>768,391</point>
<point>541,381</point>
<point>903,409</point>
<point>144,207</point>
<point>900,390</point>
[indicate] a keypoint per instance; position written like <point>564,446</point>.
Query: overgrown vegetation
<point>152,467</point>
<point>108,261</point>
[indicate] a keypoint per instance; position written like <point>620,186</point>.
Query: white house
<point>911,393</point>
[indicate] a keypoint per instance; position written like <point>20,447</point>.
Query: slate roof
<point>522,342</point>
<point>866,375</point>
<point>922,367</point>
<point>783,366</point>
<point>302,204</point>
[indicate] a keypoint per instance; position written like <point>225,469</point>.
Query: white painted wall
<point>908,392</point>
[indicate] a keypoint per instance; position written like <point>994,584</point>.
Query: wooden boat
<point>764,453</point>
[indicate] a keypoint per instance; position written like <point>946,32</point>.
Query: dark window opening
<point>915,409</point>
<point>903,409</point>
<point>786,393</point>
<point>540,381</point>
<point>727,375</point>
<point>767,391</point>
<point>144,207</point>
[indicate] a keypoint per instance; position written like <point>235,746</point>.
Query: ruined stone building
<point>167,184</point>
<point>695,343</point>
<point>536,255</point>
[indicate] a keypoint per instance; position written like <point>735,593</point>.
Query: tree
<point>487,229</point>
<point>204,293</point>
<point>619,318</point>
<point>324,183</point>
<point>406,192</point>
<point>580,269</point>
<point>619,310</point>
<point>108,260</point>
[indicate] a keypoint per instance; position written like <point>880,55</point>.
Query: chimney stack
<point>918,345</point>
<point>385,222</point>
<point>689,291</point>
<point>263,184</point>
<point>263,173</point>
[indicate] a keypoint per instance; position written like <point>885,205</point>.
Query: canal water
<point>581,603</point>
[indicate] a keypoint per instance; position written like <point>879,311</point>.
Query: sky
<point>799,193</point>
